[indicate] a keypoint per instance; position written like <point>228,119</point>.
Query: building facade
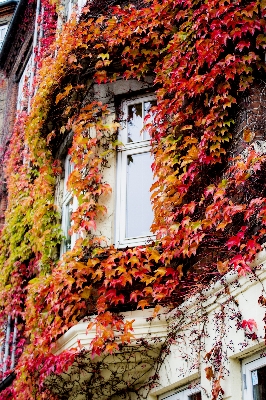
<point>132,249</point>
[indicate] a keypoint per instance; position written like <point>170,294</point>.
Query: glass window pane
<point>139,215</point>
<point>3,29</point>
<point>134,123</point>
<point>147,107</point>
<point>69,168</point>
<point>24,86</point>
<point>68,211</point>
<point>259,383</point>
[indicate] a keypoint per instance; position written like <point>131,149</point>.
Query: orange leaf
<point>156,310</point>
<point>209,373</point>
<point>126,337</point>
<point>222,266</point>
<point>110,347</point>
<point>142,304</point>
<point>248,135</point>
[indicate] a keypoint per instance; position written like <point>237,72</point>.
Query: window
<point>254,378</point>
<point>71,6</point>
<point>134,214</point>
<point>192,393</point>
<point>8,347</point>
<point>24,86</point>
<point>3,29</point>
<point>69,204</point>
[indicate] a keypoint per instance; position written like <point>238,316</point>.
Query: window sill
<point>133,242</point>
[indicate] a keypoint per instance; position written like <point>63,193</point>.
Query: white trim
<point>180,393</point>
<point>155,328</point>
<point>128,148</point>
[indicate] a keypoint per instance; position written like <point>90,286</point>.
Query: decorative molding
<point>155,328</point>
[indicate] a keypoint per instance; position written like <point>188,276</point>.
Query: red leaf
<point>249,324</point>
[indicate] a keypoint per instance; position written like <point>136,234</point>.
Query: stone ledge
<point>156,328</point>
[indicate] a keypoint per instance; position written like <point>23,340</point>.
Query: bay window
<point>134,214</point>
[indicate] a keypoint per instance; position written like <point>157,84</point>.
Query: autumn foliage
<point>208,198</point>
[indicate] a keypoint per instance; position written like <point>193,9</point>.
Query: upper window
<point>69,204</point>
<point>192,393</point>
<point>71,5</point>
<point>134,214</point>
<point>24,86</point>
<point>254,378</point>
<point>3,29</point>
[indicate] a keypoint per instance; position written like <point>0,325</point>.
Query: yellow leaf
<point>155,255</point>
<point>86,293</point>
<point>160,271</point>
<point>92,262</point>
<point>148,280</point>
<point>133,260</point>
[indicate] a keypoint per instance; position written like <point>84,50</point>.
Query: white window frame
<point>248,365</point>
<point>3,30</point>
<point>68,198</point>
<point>132,148</point>
<point>181,393</point>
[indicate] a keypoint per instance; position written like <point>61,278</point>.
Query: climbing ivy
<point>203,57</point>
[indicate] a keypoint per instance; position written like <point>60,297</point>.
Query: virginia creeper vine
<point>209,216</point>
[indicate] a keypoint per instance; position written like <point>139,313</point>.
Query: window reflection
<point>69,210</point>
<point>149,120</point>
<point>135,122</point>
<point>139,215</point>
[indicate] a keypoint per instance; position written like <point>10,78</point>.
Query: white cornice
<point>154,328</point>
